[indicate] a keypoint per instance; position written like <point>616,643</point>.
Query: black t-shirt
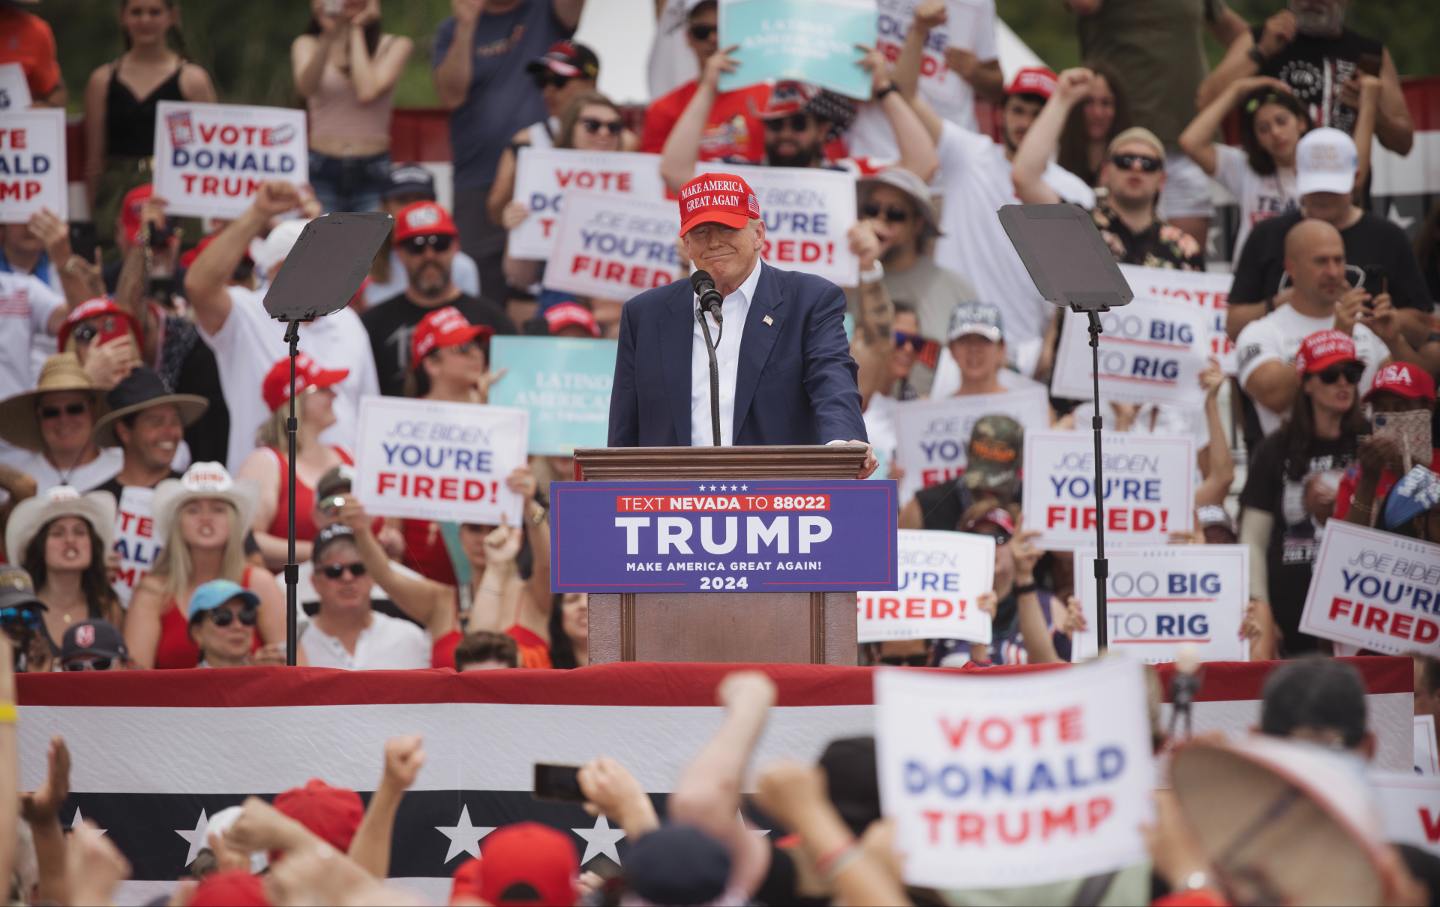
<point>941,506</point>
<point>1295,538</point>
<point>1315,67</point>
<point>1370,241</point>
<point>392,323</point>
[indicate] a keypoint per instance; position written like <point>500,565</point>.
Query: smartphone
<point>1377,282</point>
<point>331,505</point>
<point>111,327</point>
<point>1411,431</point>
<point>82,240</point>
<point>558,782</point>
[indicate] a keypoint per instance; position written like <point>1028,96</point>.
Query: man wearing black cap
<point>94,645</point>
<point>410,183</point>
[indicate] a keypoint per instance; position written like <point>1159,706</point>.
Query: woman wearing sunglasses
<point>201,519</point>
<point>222,623</point>
<point>1293,478</point>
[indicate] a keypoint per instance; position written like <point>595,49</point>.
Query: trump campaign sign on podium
<point>722,536</point>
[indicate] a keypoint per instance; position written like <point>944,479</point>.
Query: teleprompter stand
<point>1073,267</point>
<point>322,272</point>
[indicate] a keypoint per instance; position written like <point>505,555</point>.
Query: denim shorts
<point>349,183</point>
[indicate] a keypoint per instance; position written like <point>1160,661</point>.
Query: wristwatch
<point>880,95</point>
<point>874,274</point>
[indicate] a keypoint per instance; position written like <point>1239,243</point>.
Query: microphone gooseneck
<point>710,299</point>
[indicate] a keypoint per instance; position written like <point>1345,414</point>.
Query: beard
<point>803,157</point>
<point>430,279</point>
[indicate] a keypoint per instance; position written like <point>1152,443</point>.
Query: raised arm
<point>1197,141</point>
<point>373,76</point>
<point>1034,629</point>
<point>538,601</point>
<point>1241,53</point>
<point>906,69</point>
<point>682,146</point>
<point>370,848</point>
<point>41,810</point>
<point>1219,461</point>
<point>1393,125</point>
<point>205,281</point>
<point>308,54</point>
<point>427,601</point>
<point>1369,97</point>
<point>917,148</point>
<point>457,64</point>
<point>873,344</point>
<point>567,12</point>
<point>1038,147</point>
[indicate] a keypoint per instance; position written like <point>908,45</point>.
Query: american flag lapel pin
<point>768,320</point>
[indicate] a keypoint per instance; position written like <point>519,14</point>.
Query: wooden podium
<point>779,628</point>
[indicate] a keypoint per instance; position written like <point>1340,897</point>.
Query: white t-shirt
<point>26,305</point>
<point>1260,197</point>
<point>250,342</point>
<point>83,478</point>
<point>1277,337</point>
<point>671,63</point>
<point>388,644</point>
<point>463,273</point>
<point>976,178</point>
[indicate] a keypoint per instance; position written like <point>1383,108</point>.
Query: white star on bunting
<point>195,837</point>
<point>600,840</point>
<point>1398,219</point>
<point>76,822</point>
<point>464,837</point>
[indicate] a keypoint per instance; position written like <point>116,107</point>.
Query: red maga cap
<point>1323,349</point>
<point>423,219</point>
<point>532,855</point>
<point>717,198</point>
<point>571,314</point>
<point>308,374</point>
<point>1036,80</point>
<point>443,327</point>
<point>99,307</point>
<point>1404,379</point>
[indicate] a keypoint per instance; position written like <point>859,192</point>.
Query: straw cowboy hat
<point>140,390</point>
<point>32,514</point>
<point>203,481</point>
<point>20,424</point>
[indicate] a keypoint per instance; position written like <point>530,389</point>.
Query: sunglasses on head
<point>1350,371</point>
<point>69,409</point>
<point>914,341</point>
<point>892,214</point>
<point>552,79</point>
<point>89,664</point>
<point>703,32</point>
<point>224,617</point>
<point>416,245</point>
<point>335,571</point>
<point>593,125</point>
<point>905,661</point>
<point>796,122</point>
<point>1128,161</point>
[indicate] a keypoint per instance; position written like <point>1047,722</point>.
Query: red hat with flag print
<point>308,374</point>
<point>717,198</point>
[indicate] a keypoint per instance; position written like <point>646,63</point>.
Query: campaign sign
<point>1207,290</point>
<point>932,435</point>
<point>135,543</point>
<point>1147,488</point>
<point>966,26</point>
<point>614,246</point>
<point>446,462</point>
<point>32,164</point>
<point>722,536</point>
<point>1427,759</point>
<point>804,40</point>
<point>942,574</point>
<point>1159,599</point>
<point>1374,590</point>
<point>807,214</point>
<point>1409,809</point>
<point>543,176</point>
<point>210,159</point>
<point>14,90</point>
<point>1150,352</point>
<point>563,382</point>
<point>1017,779</point>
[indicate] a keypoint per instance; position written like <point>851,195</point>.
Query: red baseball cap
<point>231,888</point>
<point>1323,349</point>
<point>308,374</point>
<point>466,881</point>
<point>789,97</point>
<point>130,207</point>
<point>998,517</point>
<point>423,219</point>
<point>717,198</point>
<point>530,854</point>
<point>1404,379</point>
<point>99,307</point>
<point>443,327</point>
<point>332,814</point>
<point>1036,80</point>
<point>571,314</point>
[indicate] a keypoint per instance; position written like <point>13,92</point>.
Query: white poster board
<point>1375,590</point>
<point>1427,759</point>
<point>14,90</point>
<point>424,460</point>
<point>1409,809</point>
<point>1147,488</point>
<point>32,164</point>
<point>1207,290</point>
<point>932,435</point>
<point>1159,599</point>
<point>210,159</point>
<point>543,176</point>
<point>1151,351</point>
<point>807,213</point>
<point>614,246</point>
<point>942,574</point>
<point>1016,779</point>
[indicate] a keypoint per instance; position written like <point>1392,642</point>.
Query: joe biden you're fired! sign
<point>716,535</point>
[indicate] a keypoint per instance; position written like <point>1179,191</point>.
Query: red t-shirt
<point>733,131</point>
<point>30,43</point>
<point>1346,491</point>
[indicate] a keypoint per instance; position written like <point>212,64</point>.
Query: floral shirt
<point>1161,245</point>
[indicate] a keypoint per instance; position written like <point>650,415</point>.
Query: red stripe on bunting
<point>612,685</point>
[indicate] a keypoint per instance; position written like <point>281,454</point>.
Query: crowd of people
<point>144,393</point>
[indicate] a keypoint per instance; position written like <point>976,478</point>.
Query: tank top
<point>305,529</point>
<point>336,110</point>
<point>176,649</point>
<point>130,121</point>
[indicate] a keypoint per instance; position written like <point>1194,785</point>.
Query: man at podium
<point>785,373</point>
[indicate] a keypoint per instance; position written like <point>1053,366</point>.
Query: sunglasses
<point>905,661</point>
<point>593,126</point>
<point>892,214</point>
<point>27,616</point>
<point>1129,161</point>
<point>335,571</point>
<point>703,32</point>
<point>546,78</point>
<point>796,122</point>
<point>416,245</point>
<point>1350,371</point>
<point>914,341</point>
<point>89,664</point>
<point>463,349</point>
<point>70,409</point>
<point>224,617</point>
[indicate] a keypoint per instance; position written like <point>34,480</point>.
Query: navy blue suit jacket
<point>796,380</point>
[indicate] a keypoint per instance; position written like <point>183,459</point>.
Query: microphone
<point>710,298</point>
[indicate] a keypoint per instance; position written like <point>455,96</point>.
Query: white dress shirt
<point>734,309</point>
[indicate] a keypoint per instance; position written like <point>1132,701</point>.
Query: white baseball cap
<point>1325,161</point>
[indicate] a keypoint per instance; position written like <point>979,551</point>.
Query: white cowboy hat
<point>203,481</point>
<point>32,514</point>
